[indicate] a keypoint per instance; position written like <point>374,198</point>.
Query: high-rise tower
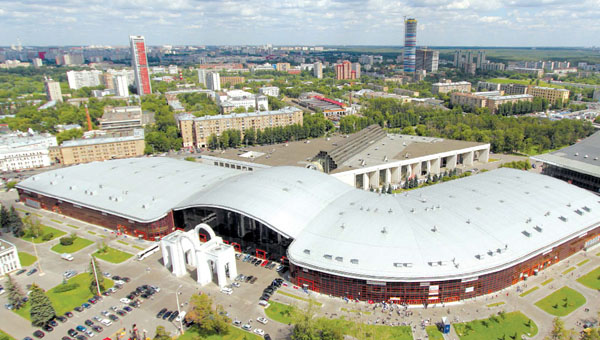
<point>139,62</point>
<point>410,44</point>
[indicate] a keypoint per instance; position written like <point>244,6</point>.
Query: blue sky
<point>310,22</point>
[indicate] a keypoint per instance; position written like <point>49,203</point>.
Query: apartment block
<point>121,118</point>
<point>232,81</point>
<point>552,95</point>
<point>104,147</point>
<point>448,86</point>
<point>195,131</point>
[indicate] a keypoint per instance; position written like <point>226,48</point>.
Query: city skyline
<point>329,22</point>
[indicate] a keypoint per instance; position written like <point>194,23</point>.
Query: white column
<point>388,176</point>
<point>484,155</point>
<point>396,173</point>
<point>167,260</point>
<point>434,166</point>
<point>221,276</point>
<point>365,181</point>
<point>178,260</point>
<point>451,163</point>
<point>468,160</point>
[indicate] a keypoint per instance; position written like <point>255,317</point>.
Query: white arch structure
<point>180,249</point>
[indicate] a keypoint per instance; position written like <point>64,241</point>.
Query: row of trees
<point>163,135</point>
<point>506,134</point>
<point>10,220</point>
<point>522,107</point>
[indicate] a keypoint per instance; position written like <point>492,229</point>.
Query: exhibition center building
<point>442,243</point>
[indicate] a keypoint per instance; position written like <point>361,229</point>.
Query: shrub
<point>47,237</point>
<point>66,287</point>
<point>66,241</point>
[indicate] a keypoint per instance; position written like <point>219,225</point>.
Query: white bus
<point>147,252</point>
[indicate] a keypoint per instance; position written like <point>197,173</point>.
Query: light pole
<point>39,261</point>
<point>179,310</point>
<point>95,275</point>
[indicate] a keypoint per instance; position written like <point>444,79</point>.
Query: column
<point>365,181</point>
<point>167,260</point>
<point>388,176</point>
<point>451,163</point>
<point>221,277</point>
<point>468,160</point>
<point>484,155</point>
<point>396,173</point>
<point>434,166</point>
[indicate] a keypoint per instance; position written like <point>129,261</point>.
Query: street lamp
<point>179,310</point>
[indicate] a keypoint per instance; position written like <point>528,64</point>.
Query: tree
<point>32,226</point>
<point>162,334</point>
<point>202,314</point>
<point>4,217</point>
<point>15,223</point>
<point>15,295</point>
<point>559,332</point>
<point>42,310</point>
<point>93,285</point>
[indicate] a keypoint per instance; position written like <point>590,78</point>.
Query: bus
<point>148,251</point>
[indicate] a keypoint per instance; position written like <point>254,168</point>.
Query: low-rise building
<point>195,131</point>
<point>514,89</point>
<point>405,92</point>
<point>104,146</point>
<point>489,99</point>
<point>448,86</point>
<point>493,102</point>
<point>537,72</point>
<point>121,118</point>
<point>552,95</point>
<point>19,151</point>
<point>234,99</point>
<point>272,91</point>
<point>332,109</point>
<point>84,78</point>
<point>472,100</point>
<point>9,258</point>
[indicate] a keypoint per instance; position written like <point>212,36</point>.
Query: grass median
<point>26,259</point>
<point>112,255</point>
<point>4,335</point>
<point>433,333</point>
<point>591,279</point>
<point>65,301</point>
<point>503,326</point>
<point>46,230</point>
<point>233,334</point>
<point>562,302</point>
<point>78,244</point>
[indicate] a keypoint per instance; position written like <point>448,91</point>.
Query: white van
<point>181,316</point>
<point>67,257</point>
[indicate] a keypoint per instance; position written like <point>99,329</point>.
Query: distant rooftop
<point>581,157</point>
<point>5,245</point>
<point>136,134</point>
<point>287,109</point>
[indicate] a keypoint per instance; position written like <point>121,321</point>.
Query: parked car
<point>21,271</point>
<point>80,328</point>
<point>88,322</point>
<point>106,322</point>
<point>227,291</point>
<point>166,315</point>
<point>262,320</point>
<point>69,314</point>
<point>125,300</point>
<point>72,332</point>
<point>259,331</point>
<point>38,334</point>
<point>48,328</point>
<point>97,329</point>
<point>247,327</point>
<point>67,256</point>
<point>61,318</point>
<point>31,272</point>
<point>173,316</point>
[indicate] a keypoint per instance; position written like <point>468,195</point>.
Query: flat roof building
<point>117,144</point>
<point>195,131</point>
<point>9,258</point>
<point>552,95</point>
<point>338,240</point>
<point>448,86</point>
<point>121,118</point>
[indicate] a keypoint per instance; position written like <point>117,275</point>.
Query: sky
<point>300,22</point>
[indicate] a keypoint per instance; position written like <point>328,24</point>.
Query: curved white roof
<point>458,229</point>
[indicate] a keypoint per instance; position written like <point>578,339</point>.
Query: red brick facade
<point>147,231</point>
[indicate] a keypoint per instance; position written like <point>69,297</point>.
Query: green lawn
<point>66,301</point>
<point>525,293</point>
<point>497,327</point>
<point>56,221</point>
<point>45,230</point>
<point>73,226</point>
<point>138,247</point>
<point>433,333</point>
<point>355,311</point>
<point>279,312</point>
<point>591,279</point>
<point>26,259</point>
<point>495,304</point>
<point>91,232</point>
<point>6,335</point>
<point>547,281</point>
<point>567,271</point>
<point>113,255</point>
<point>562,302</point>
<point>234,334</point>
<point>77,245</point>
<point>299,298</point>
<point>583,262</point>
<point>123,242</point>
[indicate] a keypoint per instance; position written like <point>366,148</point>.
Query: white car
<point>120,282</point>
<point>262,320</point>
<point>236,284</point>
<point>181,316</point>
<point>247,327</point>
<point>227,291</point>
<point>125,300</point>
<point>89,333</point>
<point>259,331</point>
<point>106,322</point>
<point>263,303</point>
<point>156,288</point>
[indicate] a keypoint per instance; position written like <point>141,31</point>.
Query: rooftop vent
<point>384,230</point>
<point>528,220</point>
<point>339,258</point>
<point>562,218</point>
<point>538,228</point>
<point>490,253</point>
<point>501,201</point>
<point>342,226</point>
<point>479,257</point>
<point>469,221</point>
<point>586,208</point>
<point>307,251</point>
<point>579,212</point>
<point>412,210</point>
<point>327,256</point>
<point>547,213</point>
<point>390,211</point>
<point>354,261</point>
<point>569,204</point>
<point>434,229</point>
<point>526,233</point>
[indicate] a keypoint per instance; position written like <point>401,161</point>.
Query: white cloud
<point>441,22</point>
